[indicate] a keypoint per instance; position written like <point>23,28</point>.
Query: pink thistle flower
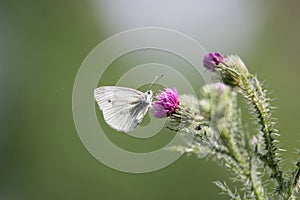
<point>212,60</point>
<point>167,102</point>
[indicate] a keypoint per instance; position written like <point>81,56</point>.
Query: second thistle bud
<point>231,68</point>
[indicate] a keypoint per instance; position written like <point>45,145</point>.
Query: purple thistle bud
<point>167,102</point>
<point>212,60</point>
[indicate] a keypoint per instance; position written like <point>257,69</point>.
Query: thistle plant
<point>215,123</point>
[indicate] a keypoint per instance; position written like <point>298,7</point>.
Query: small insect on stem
<point>198,128</point>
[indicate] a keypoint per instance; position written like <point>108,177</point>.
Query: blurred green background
<point>43,43</point>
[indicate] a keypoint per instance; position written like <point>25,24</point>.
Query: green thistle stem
<point>233,140</point>
<point>244,166</point>
<point>237,139</point>
<point>253,92</point>
<point>230,160</point>
<point>294,184</point>
<point>255,184</point>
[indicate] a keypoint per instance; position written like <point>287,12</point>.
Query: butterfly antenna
<point>156,79</point>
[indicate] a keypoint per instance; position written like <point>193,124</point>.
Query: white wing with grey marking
<point>123,108</point>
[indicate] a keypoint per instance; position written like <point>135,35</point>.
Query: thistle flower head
<point>166,103</point>
<point>231,68</point>
<point>212,60</point>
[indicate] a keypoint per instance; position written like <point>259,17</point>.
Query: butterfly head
<point>148,95</point>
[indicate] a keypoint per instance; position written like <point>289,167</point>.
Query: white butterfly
<point>123,108</point>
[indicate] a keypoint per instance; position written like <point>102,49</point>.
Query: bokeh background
<point>43,43</point>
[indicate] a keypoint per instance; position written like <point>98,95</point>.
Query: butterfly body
<point>123,108</point>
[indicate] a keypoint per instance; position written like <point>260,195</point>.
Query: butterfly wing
<point>123,108</point>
